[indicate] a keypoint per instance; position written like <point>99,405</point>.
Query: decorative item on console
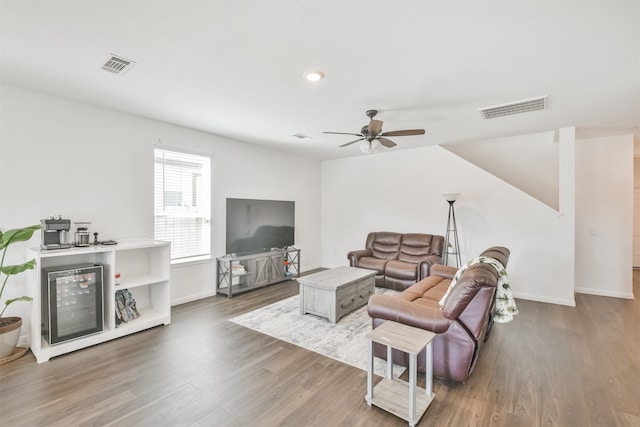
<point>82,234</point>
<point>55,233</point>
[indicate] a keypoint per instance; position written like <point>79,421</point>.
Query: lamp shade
<point>376,146</point>
<point>451,197</point>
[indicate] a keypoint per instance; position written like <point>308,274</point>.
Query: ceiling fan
<point>372,137</point>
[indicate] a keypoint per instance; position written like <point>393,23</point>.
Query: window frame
<point>206,196</point>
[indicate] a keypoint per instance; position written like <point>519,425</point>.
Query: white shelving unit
<point>144,267</point>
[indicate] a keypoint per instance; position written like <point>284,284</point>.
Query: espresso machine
<point>55,233</point>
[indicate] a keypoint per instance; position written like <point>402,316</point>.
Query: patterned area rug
<point>344,341</point>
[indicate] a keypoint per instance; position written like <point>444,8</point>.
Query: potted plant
<point>10,326</point>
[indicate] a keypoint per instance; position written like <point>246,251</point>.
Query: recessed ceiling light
<point>314,76</point>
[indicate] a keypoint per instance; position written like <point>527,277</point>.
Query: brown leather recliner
<point>399,259</point>
<point>461,326</point>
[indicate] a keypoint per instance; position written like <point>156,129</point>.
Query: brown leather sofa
<point>461,326</point>
<point>399,259</point>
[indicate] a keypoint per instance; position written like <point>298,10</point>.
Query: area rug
<point>344,341</point>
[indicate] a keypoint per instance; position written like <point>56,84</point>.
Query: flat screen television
<point>255,226</point>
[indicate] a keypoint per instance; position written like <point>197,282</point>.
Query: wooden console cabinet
<point>143,266</point>
<point>236,274</point>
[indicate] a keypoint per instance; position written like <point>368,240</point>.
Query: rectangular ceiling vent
<point>524,106</point>
<point>117,64</point>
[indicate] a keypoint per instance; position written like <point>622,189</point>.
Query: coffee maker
<point>55,233</point>
<point>82,234</point>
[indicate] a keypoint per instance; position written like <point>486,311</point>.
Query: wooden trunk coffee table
<point>336,292</point>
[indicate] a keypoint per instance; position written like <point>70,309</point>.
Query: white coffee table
<point>336,292</point>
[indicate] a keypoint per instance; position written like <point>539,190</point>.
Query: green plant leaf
<point>17,235</point>
<point>17,269</point>
<point>22,298</point>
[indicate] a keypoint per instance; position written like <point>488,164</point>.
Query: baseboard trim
<point>604,293</point>
<point>193,297</point>
<point>540,298</point>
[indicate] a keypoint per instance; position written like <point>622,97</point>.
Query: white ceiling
<point>235,68</point>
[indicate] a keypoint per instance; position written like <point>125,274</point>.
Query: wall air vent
<point>524,106</point>
<point>116,64</point>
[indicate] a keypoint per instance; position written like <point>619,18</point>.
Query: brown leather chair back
<point>477,284</point>
<point>416,246</point>
<point>384,244</point>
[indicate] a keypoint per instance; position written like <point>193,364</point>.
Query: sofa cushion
<point>372,263</point>
<point>415,247</point>
<point>401,270</point>
<point>430,288</point>
<point>386,245</point>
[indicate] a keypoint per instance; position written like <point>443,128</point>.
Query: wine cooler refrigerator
<point>72,302</point>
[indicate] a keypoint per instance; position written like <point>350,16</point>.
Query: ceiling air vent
<point>524,106</point>
<point>116,64</point>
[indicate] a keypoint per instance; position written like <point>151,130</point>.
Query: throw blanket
<point>505,304</point>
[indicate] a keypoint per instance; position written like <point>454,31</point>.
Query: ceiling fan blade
<point>344,133</point>
<point>352,142</point>
<point>406,132</point>
<point>375,126</point>
<point>387,142</point>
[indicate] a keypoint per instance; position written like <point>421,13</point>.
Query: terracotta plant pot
<point>9,334</point>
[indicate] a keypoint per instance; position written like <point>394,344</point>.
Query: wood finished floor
<point>552,366</point>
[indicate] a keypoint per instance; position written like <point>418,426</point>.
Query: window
<point>182,203</point>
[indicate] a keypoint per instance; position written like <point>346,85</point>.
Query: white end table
<point>388,393</point>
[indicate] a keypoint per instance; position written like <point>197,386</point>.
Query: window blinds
<point>182,203</point>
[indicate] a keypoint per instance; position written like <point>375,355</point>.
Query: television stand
<point>240,273</point>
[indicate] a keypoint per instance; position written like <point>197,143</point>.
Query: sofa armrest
<point>425,264</point>
<point>445,271</point>
<point>396,309</point>
<point>354,256</point>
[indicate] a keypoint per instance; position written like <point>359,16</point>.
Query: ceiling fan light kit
<point>376,146</point>
<point>365,146</point>
<point>372,137</point>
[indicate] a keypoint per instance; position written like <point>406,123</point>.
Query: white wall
<point>92,164</point>
<point>402,191</point>
<point>520,171</point>
<point>604,224</point>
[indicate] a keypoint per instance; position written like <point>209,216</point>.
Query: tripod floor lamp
<point>451,243</point>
